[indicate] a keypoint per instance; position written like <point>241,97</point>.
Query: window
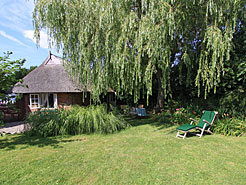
<point>34,101</point>
<point>44,100</point>
<point>111,97</point>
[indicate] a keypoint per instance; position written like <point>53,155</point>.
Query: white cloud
<point>43,43</point>
<point>11,38</point>
<point>16,14</point>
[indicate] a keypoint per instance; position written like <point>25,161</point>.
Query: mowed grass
<point>146,153</point>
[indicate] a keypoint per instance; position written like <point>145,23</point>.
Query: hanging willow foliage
<point>122,44</point>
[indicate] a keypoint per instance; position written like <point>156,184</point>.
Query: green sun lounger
<point>204,124</point>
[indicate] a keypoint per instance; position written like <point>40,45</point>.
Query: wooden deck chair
<point>204,124</point>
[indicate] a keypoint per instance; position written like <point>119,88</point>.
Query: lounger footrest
<point>186,127</point>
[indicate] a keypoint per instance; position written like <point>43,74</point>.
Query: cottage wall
<point>26,103</point>
<point>67,99</point>
<point>23,105</point>
<point>64,100</point>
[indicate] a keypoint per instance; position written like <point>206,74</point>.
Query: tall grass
<point>231,126</point>
<point>77,120</point>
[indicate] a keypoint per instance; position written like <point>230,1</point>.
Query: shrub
<point>1,118</point>
<point>180,116</point>
<point>77,120</point>
<point>126,109</point>
<point>230,126</point>
<point>233,103</point>
<point>44,123</point>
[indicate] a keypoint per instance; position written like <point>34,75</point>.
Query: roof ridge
<point>49,57</point>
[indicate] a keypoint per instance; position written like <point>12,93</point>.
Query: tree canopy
<point>8,70</point>
<point>124,44</point>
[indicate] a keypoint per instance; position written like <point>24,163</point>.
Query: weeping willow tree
<point>124,44</point>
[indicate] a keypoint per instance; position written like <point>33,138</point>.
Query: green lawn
<point>147,153</point>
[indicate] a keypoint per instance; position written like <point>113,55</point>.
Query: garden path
<point>13,128</point>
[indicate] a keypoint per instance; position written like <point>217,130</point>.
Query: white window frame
<point>31,101</point>
<point>55,99</point>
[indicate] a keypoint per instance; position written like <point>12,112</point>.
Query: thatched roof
<point>50,76</point>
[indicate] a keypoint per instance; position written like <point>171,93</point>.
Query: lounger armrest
<point>207,122</point>
<point>193,120</point>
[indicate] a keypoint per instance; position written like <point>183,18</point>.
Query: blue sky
<point>16,33</point>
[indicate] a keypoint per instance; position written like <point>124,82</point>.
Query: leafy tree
<point>235,69</point>
<point>124,44</point>
<point>23,72</point>
<point>8,70</point>
<point>232,89</point>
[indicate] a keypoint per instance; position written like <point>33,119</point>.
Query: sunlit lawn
<point>144,154</point>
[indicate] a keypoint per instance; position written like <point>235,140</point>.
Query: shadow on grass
<point>159,121</point>
<point>24,141</point>
<point>166,122</point>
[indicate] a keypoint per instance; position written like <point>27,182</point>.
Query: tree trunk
<point>160,96</point>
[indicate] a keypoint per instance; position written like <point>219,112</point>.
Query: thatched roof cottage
<point>49,86</point>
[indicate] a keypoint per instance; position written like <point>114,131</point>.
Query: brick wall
<point>9,113</point>
<point>64,100</point>
<point>67,99</point>
<point>26,104</point>
<point>14,112</point>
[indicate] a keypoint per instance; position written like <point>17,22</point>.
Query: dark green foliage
<point>233,103</point>
<point>11,72</point>
<point>230,98</point>
<point>45,123</point>
<point>224,123</point>
<point>23,72</point>
<point>8,69</point>
<point>77,120</point>
<point>231,120</point>
<point>1,118</point>
<point>178,117</point>
<point>231,126</point>
<point>235,69</point>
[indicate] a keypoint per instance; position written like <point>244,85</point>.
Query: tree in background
<point>8,70</point>
<point>230,98</point>
<point>235,69</point>
<point>232,89</point>
<point>23,72</point>
<point>124,44</point>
